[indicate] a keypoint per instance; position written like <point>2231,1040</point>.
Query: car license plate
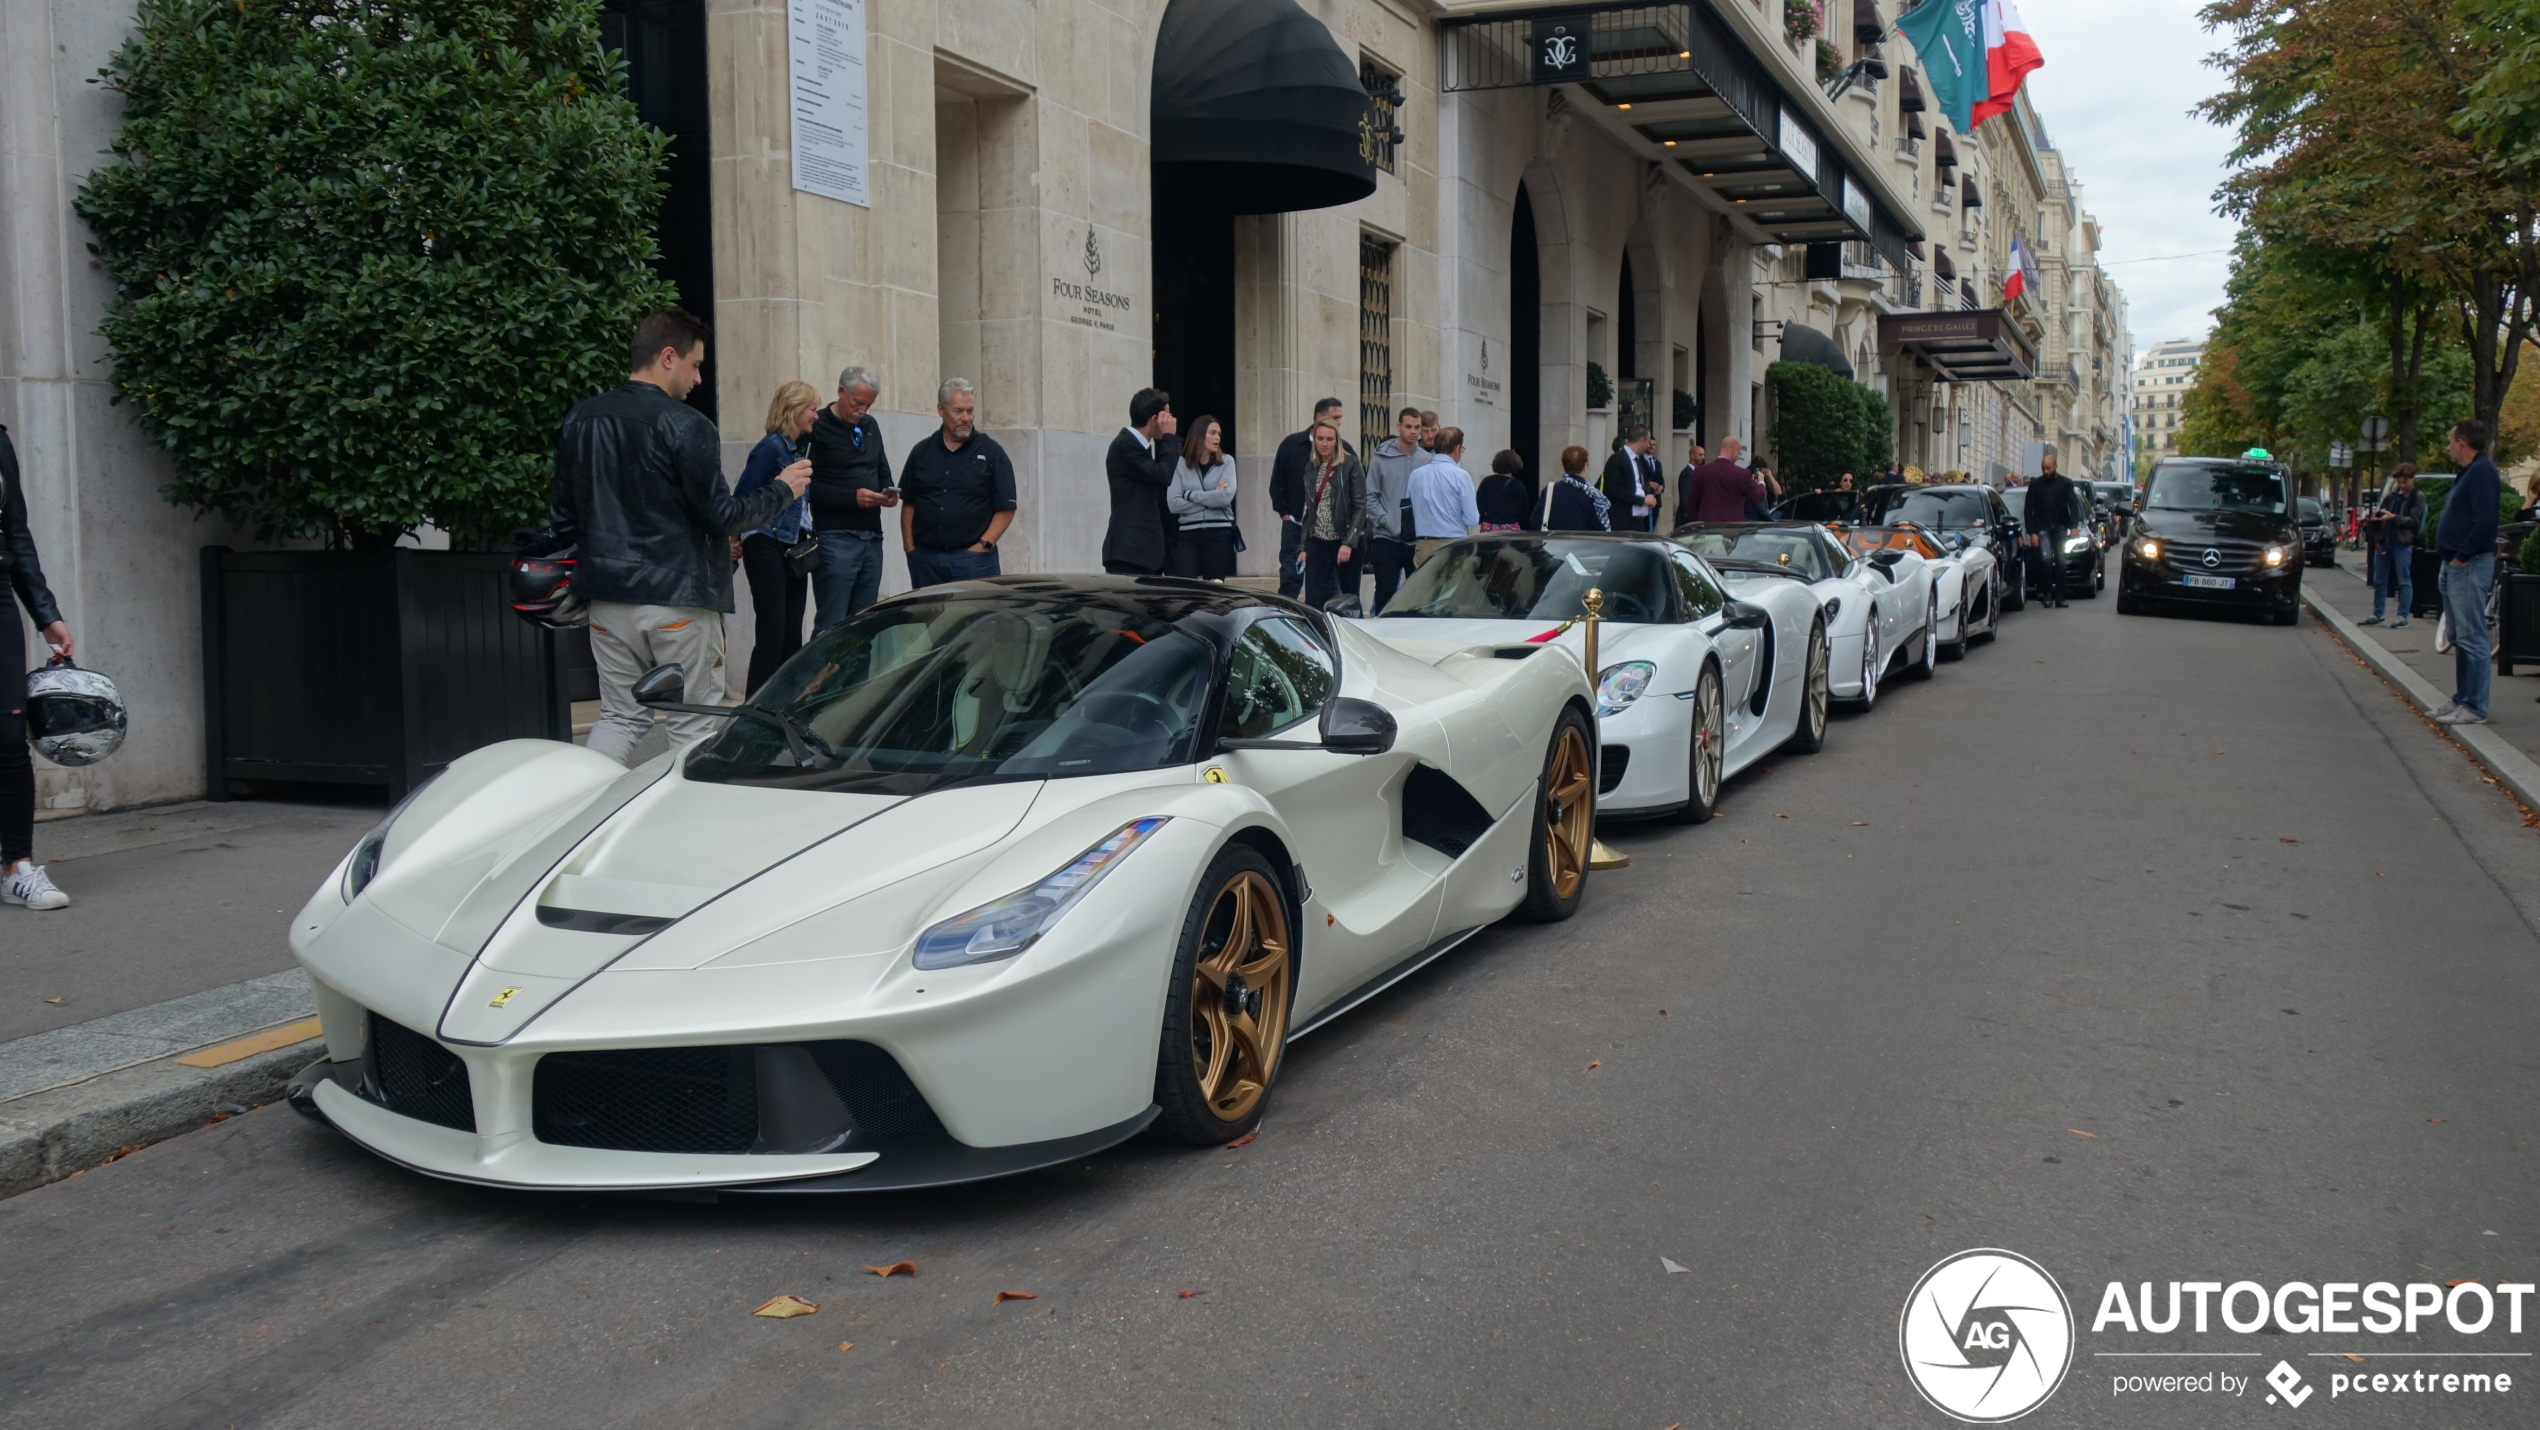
<point>2209,583</point>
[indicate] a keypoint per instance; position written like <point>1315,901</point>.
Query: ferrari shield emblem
<point>1214,774</point>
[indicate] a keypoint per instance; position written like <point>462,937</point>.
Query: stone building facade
<point>1013,198</point>
<point>2160,388</point>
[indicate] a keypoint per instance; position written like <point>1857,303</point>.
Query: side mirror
<point>662,685</point>
<point>1357,727</point>
<point>1743,616</point>
<point>1344,607</point>
<point>1886,558</point>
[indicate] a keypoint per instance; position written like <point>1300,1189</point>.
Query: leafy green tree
<point>1878,432</point>
<point>365,254</point>
<point>1818,424</point>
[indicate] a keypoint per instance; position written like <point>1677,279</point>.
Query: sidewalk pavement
<point>2405,656</point>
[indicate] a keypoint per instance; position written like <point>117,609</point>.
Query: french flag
<point>2009,54</point>
<point>2022,264</point>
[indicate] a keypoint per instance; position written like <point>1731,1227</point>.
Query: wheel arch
<point>1266,841</point>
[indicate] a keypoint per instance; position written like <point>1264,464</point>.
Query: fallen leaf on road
<point>785,1307</point>
<point>1860,824</point>
<point>1238,1142</point>
<point>1719,816</point>
<point>2077,1132</point>
<point>1005,1296</point>
<point>2359,1360</point>
<point>2434,1119</point>
<point>1672,1268</point>
<point>2280,839</point>
<point>1662,1012</point>
<point>2463,1281</point>
<point>896,1268</point>
<point>1186,1295</point>
<point>1593,1066</point>
<point>1781,816</point>
<point>846,1345</point>
<point>52,1000</point>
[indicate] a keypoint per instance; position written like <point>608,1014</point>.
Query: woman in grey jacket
<point>1202,500</point>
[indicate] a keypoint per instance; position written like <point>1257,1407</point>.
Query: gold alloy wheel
<point>1239,995</point>
<point>1569,816</point>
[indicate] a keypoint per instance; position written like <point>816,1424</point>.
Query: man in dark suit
<point>2051,511</point>
<point>1139,468</point>
<point>1631,482</point>
<point>1288,469</point>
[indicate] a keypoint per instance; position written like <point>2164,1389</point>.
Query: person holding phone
<point>850,484</point>
<point>777,595</point>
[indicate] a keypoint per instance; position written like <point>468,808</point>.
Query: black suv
<point>2215,531</point>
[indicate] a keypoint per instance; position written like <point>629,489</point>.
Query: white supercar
<point>1699,677</point>
<point>1880,608</point>
<point>986,878</point>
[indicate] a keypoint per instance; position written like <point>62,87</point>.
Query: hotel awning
<point>1256,109</point>
<point>1983,345</point>
<point>1681,78</point>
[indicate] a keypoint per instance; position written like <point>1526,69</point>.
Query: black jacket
<point>846,456</point>
<point>639,488</point>
<point>1290,467</point>
<point>17,546</point>
<point>1349,492</point>
<point>1141,531</point>
<point>2051,504</point>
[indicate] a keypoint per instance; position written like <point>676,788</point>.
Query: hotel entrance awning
<point>1984,345</point>
<point>1682,78</point>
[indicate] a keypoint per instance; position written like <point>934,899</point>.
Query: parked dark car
<point>1972,513</point>
<point>2319,536</point>
<point>2215,531</point>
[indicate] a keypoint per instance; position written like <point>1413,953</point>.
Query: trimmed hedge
<point>1825,425</point>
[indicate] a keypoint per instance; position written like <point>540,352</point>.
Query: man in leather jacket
<point>2052,510</point>
<point>639,490</point>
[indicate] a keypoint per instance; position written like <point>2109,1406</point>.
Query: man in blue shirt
<point>2465,544</point>
<point>1442,505</point>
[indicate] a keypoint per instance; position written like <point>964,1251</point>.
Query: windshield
<point>921,695</point>
<point>1798,550</point>
<point>2182,487</point>
<point>1537,580</point>
<point>1865,539</point>
<point>1938,510</point>
<point>2311,511</point>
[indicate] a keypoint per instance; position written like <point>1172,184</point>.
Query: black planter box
<point>2517,621</point>
<point>366,667</point>
<point>2426,570</point>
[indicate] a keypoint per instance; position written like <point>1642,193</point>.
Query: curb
<point>47,1136</point>
<point>2501,759</point>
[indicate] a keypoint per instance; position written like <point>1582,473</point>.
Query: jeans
<point>628,640</point>
<point>1291,547</point>
<point>2050,563</point>
<point>934,568</point>
<point>17,764</point>
<point>1326,575</point>
<point>1392,560</point>
<point>849,578</point>
<point>2465,589</point>
<point>2394,574</point>
<point>777,597</point>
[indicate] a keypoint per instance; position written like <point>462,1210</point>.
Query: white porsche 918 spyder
<point>1696,685</point>
<point>1878,606</point>
<point>986,878</point>
<point>1965,578</point>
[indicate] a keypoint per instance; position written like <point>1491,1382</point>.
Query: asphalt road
<point>2202,891</point>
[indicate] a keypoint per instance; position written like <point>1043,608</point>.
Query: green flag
<point>1949,35</point>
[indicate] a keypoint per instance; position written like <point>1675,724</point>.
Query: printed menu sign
<point>825,43</point>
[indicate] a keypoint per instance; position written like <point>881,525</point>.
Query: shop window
<point>1375,343</point>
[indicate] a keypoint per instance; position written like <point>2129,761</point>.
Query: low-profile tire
<point>2017,598</point>
<point>1706,743</point>
<point>1565,823</point>
<point>1226,1013</point>
<point>2287,618</point>
<point>1992,611</point>
<point>1927,655</point>
<point>1955,648</point>
<point>2090,588</point>
<point>1816,694</point>
<point>1872,665</point>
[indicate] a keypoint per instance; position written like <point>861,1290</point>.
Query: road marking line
<point>222,1054</point>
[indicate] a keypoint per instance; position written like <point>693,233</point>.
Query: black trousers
<point>1392,560</point>
<point>1326,575</point>
<point>2050,563</point>
<point>17,762</point>
<point>777,599</point>
<point>1291,546</point>
<point>1207,552</point>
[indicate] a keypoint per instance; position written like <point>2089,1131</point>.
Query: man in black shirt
<point>1289,467</point>
<point>960,489</point>
<point>850,484</point>
<point>2051,511</point>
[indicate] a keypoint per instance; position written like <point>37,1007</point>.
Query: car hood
<point>2204,525</point>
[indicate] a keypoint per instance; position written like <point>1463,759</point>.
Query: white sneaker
<point>28,884</point>
<point>2446,708</point>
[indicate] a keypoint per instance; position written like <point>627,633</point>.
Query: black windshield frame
<point>1667,608</point>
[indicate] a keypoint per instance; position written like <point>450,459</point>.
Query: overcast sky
<point>2120,78</point>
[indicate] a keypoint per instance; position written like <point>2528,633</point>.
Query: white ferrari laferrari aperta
<point>1697,681</point>
<point>986,878</point>
<point>1878,607</point>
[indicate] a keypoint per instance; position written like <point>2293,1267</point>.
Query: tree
<point>365,254</point>
<point>1818,422</point>
<point>1878,432</point>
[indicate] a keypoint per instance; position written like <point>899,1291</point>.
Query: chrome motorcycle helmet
<point>73,716</point>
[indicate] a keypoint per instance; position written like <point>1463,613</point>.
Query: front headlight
<point>2076,544</point>
<point>2148,549</point>
<point>364,865</point>
<point>1620,685</point>
<point>2275,556</point>
<point>1014,923</point>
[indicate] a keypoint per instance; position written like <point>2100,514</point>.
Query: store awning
<point>1681,77</point>
<point>1967,195</point>
<point>1983,345</point>
<point>1257,109</point>
<point>1867,27</point>
<point>1805,344</point>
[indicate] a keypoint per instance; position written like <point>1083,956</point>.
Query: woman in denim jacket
<point>777,596</point>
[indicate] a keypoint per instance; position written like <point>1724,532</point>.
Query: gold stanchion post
<point>1600,854</point>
